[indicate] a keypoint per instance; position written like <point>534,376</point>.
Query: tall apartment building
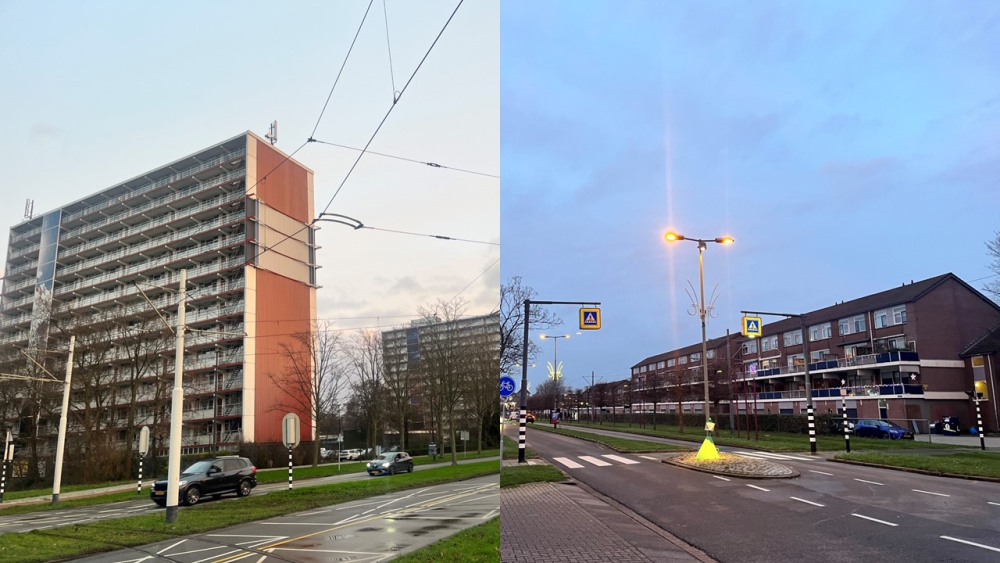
<point>908,353</point>
<point>236,217</point>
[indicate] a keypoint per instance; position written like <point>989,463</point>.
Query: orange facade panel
<point>283,310</point>
<point>282,184</point>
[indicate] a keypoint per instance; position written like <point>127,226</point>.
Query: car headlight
<point>181,484</point>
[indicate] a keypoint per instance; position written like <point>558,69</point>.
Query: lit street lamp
<point>556,371</point>
<point>702,245</point>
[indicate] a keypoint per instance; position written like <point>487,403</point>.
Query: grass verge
<point>514,476</point>
<point>76,541</point>
<point>980,464</point>
<point>479,544</point>
<point>770,441</point>
<point>619,444</point>
<point>510,450</point>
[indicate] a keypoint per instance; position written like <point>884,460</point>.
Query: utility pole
<point>61,442</point>
<point>176,409</point>
<point>729,372</point>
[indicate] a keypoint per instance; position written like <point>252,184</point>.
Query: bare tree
<point>483,382</point>
<point>313,376</point>
<point>512,296</point>
<point>443,361</point>
<point>993,250</point>
<point>364,358</point>
<point>400,379</point>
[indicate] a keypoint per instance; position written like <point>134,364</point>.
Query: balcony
<point>895,389</point>
<point>866,361</point>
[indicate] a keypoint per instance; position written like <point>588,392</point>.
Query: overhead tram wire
<point>441,237</point>
<point>397,98</point>
<point>413,160</point>
<point>388,46</point>
<point>488,268</point>
<point>339,72</point>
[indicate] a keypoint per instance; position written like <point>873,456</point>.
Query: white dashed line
<point>966,542</point>
<point>717,477</point>
<point>568,462</point>
<point>649,458</point>
<point>820,472</point>
<point>807,501</point>
<point>875,520</point>
<point>993,503</point>
<point>930,493</point>
<point>621,459</point>
<point>595,461</point>
<point>870,482</point>
<point>759,488</point>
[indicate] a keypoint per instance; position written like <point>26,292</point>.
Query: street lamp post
<point>702,245</point>
<point>555,364</point>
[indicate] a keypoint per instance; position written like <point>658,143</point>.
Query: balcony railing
<point>230,156</point>
<point>835,392</point>
<point>152,204</point>
<point>842,363</point>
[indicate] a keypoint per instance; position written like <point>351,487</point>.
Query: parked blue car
<point>881,429</point>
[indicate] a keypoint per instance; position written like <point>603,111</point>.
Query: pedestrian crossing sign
<point>752,326</point>
<point>590,318</point>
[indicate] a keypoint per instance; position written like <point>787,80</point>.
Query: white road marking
<point>993,503</point>
<point>168,548</point>
<point>875,520</point>
<point>807,501</point>
<point>649,458</point>
<point>568,462</point>
<point>200,550</point>
<point>717,477</point>
<point>759,488</point>
<point>489,514</point>
<point>971,543</point>
<point>233,552</point>
<point>314,513</point>
<point>820,472</point>
<point>595,461</point>
<point>621,459</point>
<point>870,482</point>
<point>930,493</point>
<point>781,456</point>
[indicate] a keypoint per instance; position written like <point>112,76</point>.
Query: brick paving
<point>546,522</point>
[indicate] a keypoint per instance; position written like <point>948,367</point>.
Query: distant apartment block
<point>908,353</point>
<point>236,217</point>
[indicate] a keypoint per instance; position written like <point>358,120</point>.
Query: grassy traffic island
<point>621,445</point>
<point>963,464</point>
<point>733,466</point>
<point>479,544</point>
<point>69,542</point>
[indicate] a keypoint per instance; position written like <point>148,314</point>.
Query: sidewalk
<point>565,523</point>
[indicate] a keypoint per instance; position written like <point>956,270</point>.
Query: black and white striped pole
<point>8,454</point>
<point>979,423</point>
<point>290,437</point>
<point>843,407</point>
<point>143,450</point>
<point>522,417</point>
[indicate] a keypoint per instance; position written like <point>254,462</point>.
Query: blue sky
<point>847,147</point>
<point>95,93</point>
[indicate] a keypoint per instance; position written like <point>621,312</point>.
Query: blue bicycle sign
<point>507,386</point>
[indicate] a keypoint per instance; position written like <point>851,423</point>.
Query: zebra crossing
<point>773,457</point>
<point>594,461</point>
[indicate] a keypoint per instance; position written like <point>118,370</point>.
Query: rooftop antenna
<point>273,132</point>
<point>29,208</point>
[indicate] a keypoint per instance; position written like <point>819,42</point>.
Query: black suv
<point>214,477</point>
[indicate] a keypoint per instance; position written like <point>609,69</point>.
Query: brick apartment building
<point>908,353</point>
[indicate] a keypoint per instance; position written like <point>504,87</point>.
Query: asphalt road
<point>83,515</point>
<point>369,530</point>
<point>833,512</point>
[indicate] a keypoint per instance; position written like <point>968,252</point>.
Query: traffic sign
<point>753,369</point>
<point>752,326</point>
<point>290,430</point>
<point>144,441</point>
<point>590,318</point>
<point>507,386</point>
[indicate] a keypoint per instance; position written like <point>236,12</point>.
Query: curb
<point>919,471</point>
<point>793,475</point>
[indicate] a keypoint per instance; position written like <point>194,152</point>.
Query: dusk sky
<point>847,147</point>
<point>96,93</point>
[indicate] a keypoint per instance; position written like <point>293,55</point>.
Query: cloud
<point>45,130</point>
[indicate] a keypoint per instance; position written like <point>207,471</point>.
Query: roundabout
<point>731,465</point>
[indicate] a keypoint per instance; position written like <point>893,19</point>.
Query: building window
<point>820,332</point>
<point>750,347</point>
<point>696,357</point>
<point>711,354</point>
<point>683,360</point>
<point>845,326</point>
<point>818,355</point>
<point>671,362</point>
<point>769,343</point>
<point>859,323</point>
<point>660,365</point>
<point>795,360</point>
<point>881,319</point>
<point>642,369</point>
<point>793,337</point>
<point>899,315</point>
